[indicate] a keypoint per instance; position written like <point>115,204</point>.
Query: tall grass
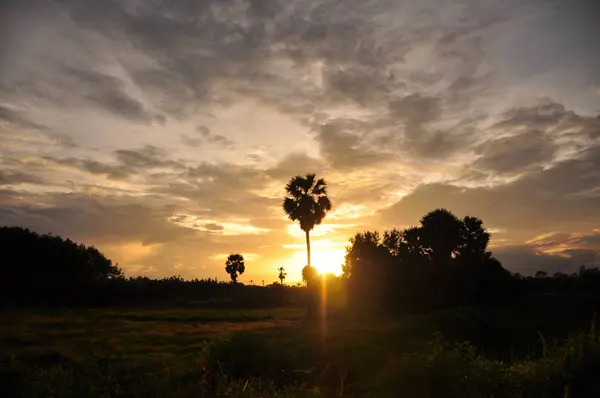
<point>249,365</point>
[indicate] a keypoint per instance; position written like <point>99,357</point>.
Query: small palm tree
<point>235,266</point>
<point>282,274</point>
<point>306,201</point>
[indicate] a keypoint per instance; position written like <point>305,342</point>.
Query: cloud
<point>526,261</point>
<point>108,92</point>
<point>14,117</point>
<point>344,146</point>
<point>560,197</point>
<point>295,164</point>
<point>94,218</point>
<point>17,177</point>
<point>93,166</point>
<point>128,114</point>
<point>228,228</point>
<point>206,137</point>
<point>516,153</point>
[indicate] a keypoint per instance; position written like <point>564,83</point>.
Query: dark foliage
<point>307,202</point>
<point>235,266</point>
<point>443,262</point>
<point>49,268</point>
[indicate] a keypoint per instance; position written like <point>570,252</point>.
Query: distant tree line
<point>443,262</point>
<point>39,267</point>
<point>42,269</point>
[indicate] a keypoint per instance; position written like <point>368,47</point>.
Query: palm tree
<point>307,202</point>
<point>282,274</point>
<point>234,266</point>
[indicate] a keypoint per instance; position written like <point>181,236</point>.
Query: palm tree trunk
<point>308,247</point>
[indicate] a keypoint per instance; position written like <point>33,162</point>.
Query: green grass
<point>210,352</point>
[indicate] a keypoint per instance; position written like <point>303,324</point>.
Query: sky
<point>164,132</point>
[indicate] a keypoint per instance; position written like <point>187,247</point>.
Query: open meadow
<point>189,352</point>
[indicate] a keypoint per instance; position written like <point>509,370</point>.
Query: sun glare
<point>325,259</point>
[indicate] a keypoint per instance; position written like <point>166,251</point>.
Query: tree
<point>541,274</point>
<point>306,201</point>
<point>49,268</point>
<point>475,238</point>
<point>282,274</point>
<point>368,268</point>
<point>441,233</point>
<point>309,275</point>
<point>235,266</point>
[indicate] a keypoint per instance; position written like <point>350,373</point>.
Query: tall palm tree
<point>306,201</point>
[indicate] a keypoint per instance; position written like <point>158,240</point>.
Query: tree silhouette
<point>306,201</point>
<point>442,262</point>
<point>475,238</point>
<point>309,275</point>
<point>541,274</point>
<point>282,274</point>
<point>441,233</point>
<point>235,266</point>
<point>50,268</point>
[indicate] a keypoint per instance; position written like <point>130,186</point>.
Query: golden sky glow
<point>164,133</point>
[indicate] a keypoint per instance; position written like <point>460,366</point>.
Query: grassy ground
<point>133,334</point>
<point>200,352</point>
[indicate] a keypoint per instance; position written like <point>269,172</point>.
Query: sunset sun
<point>325,259</point>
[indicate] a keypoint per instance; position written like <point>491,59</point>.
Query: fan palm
<point>306,201</point>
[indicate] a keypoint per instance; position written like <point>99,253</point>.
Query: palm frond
<point>290,207</point>
<point>306,200</point>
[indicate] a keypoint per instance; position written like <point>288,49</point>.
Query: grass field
<point>134,334</point>
<point>210,352</point>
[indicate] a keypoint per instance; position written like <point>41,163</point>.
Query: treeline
<point>49,270</point>
<point>443,262</point>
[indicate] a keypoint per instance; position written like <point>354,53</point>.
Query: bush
<point>245,355</point>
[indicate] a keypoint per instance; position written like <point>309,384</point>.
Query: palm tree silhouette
<point>235,266</point>
<point>307,202</point>
<point>282,274</point>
